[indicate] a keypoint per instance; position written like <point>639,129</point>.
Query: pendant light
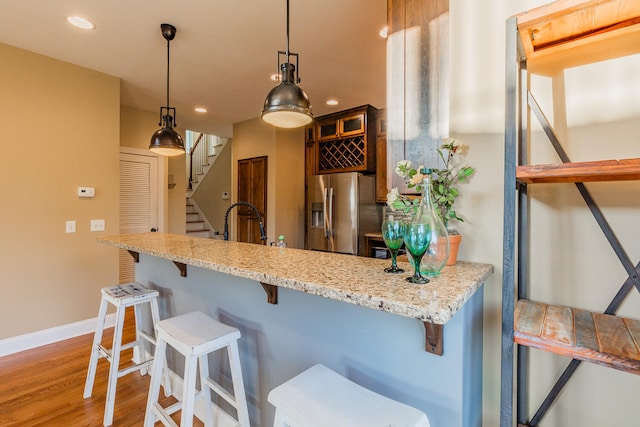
<point>166,141</point>
<point>287,105</point>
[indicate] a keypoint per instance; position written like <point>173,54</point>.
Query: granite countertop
<point>346,278</point>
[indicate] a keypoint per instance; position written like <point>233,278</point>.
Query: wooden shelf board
<point>602,170</point>
<point>592,337</point>
<point>569,33</point>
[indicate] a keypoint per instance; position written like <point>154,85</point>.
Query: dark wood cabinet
<point>353,125</point>
<point>327,129</point>
<point>310,133</point>
<point>341,127</point>
<point>381,156</point>
<point>310,150</point>
<point>345,141</point>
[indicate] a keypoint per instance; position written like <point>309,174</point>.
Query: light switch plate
<point>71,227</point>
<point>97,225</point>
<point>86,192</point>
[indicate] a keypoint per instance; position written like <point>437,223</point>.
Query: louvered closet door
<point>138,202</point>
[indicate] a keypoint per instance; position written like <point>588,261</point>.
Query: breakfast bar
<point>296,308</point>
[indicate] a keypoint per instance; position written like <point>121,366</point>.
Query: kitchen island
<point>296,308</point>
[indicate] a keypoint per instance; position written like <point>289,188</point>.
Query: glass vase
<point>438,252</point>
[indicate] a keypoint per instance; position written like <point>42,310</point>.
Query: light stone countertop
<point>347,278</point>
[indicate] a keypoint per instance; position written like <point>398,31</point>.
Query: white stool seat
<point>195,335</point>
<point>319,397</point>
<point>128,294</point>
<point>122,296</point>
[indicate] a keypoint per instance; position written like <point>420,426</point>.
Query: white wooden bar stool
<point>195,335</point>
<point>123,296</point>
<point>319,397</point>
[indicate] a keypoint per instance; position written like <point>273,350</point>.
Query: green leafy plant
<point>443,182</point>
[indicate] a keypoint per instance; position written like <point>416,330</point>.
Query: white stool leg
<point>205,390</point>
<point>155,319</point>
<point>154,388</point>
<point>238,384</point>
<point>189,391</point>
<point>95,353</point>
<point>139,347</point>
<point>113,370</point>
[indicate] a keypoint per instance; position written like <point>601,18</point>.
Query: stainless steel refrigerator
<point>341,208</point>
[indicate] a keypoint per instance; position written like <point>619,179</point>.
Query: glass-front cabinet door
<point>353,125</point>
<point>327,129</point>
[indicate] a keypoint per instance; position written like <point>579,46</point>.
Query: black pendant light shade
<point>287,105</point>
<point>166,141</point>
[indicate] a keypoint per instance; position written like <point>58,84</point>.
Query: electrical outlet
<point>71,227</point>
<point>97,225</point>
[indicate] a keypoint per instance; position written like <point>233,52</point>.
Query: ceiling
<point>223,55</point>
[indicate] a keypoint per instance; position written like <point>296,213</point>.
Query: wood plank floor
<point>44,386</point>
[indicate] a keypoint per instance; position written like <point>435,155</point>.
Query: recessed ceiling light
<point>383,32</point>
<point>200,110</point>
<point>332,102</point>
<point>79,22</point>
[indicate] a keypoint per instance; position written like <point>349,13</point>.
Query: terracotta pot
<point>454,244</point>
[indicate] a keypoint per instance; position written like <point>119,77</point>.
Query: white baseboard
<point>48,336</point>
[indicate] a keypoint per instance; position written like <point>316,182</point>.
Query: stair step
<point>603,339</point>
<point>195,225</point>
<point>198,233</point>
<point>193,216</point>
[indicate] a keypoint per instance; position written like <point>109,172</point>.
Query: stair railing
<point>197,158</point>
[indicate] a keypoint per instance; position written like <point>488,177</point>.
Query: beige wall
<point>61,131</point>
<point>290,188</point>
<point>604,120</point>
<point>136,128</point>
<point>285,194</point>
<point>208,195</point>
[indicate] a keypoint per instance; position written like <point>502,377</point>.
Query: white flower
<point>392,196</point>
<point>403,167</point>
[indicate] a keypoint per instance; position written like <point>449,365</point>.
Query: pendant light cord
<point>168,62</point>
<point>287,30</point>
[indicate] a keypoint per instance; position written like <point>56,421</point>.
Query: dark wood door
<point>252,188</point>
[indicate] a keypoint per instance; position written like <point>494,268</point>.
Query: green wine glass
<point>417,237</point>
<point>392,234</point>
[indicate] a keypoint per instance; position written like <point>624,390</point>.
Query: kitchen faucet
<point>263,235</point>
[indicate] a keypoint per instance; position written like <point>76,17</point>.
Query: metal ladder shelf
<point>545,41</point>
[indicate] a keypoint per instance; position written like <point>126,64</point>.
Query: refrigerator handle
<point>324,213</point>
<point>330,233</point>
